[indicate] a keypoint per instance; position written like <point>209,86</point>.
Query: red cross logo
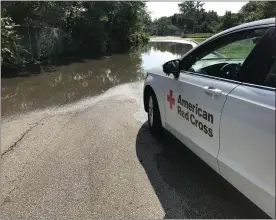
<point>170,99</point>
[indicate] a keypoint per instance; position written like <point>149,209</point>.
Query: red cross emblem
<point>170,99</point>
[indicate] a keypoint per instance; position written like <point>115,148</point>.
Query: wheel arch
<point>147,91</point>
<point>154,86</point>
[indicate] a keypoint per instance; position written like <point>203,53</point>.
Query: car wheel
<point>154,118</point>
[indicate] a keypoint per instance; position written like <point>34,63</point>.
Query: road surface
<point>97,159</point>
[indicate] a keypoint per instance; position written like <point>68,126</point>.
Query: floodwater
<point>56,85</point>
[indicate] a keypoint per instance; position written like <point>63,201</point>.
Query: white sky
<point>159,9</point>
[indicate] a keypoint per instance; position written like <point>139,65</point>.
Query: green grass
<point>199,40</point>
<point>198,35</point>
<point>236,50</point>
<point>240,49</point>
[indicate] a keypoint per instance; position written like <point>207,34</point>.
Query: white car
<point>219,100</point>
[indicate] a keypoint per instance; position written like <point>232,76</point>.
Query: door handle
<point>212,90</point>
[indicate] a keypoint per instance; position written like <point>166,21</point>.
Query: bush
<point>138,38</point>
<point>13,55</point>
<point>49,42</point>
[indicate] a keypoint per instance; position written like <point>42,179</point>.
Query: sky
<point>160,9</point>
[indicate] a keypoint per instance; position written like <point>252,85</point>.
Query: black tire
<point>155,121</point>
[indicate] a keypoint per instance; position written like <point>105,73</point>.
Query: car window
<point>259,67</point>
<point>236,50</point>
<point>224,58</point>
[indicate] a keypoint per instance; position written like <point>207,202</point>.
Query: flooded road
<point>56,85</point>
<point>96,158</point>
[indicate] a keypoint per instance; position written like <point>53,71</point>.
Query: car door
<point>201,91</point>
<point>247,131</point>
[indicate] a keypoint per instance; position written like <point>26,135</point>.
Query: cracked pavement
<point>11,147</point>
<point>97,159</point>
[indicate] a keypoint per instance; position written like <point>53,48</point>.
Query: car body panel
<point>247,156</point>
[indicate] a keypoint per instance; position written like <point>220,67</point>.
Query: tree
<point>208,22</point>
<point>176,20</point>
<point>38,13</point>
<point>191,12</point>
<point>12,53</point>
<point>229,20</point>
<point>163,24</point>
<point>84,27</point>
<point>258,10</point>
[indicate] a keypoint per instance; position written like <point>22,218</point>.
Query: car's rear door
<point>200,96</point>
<point>247,130</point>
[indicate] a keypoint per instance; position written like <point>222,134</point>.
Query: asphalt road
<point>97,159</point>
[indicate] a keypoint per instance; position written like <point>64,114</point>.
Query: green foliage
<point>194,19</point>
<point>229,20</point>
<point>39,13</point>
<point>79,27</point>
<point>191,13</point>
<point>127,26</point>
<point>258,10</point>
<point>12,52</point>
<point>48,42</point>
<point>163,24</point>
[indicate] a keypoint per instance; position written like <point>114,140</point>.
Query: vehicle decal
<point>195,109</point>
<point>170,99</point>
<point>192,113</point>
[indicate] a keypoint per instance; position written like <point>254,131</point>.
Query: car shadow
<point>186,186</point>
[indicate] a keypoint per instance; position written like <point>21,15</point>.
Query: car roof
<point>268,21</point>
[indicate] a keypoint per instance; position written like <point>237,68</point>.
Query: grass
<point>199,40</point>
<point>240,49</point>
<point>198,35</point>
<point>236,50</point>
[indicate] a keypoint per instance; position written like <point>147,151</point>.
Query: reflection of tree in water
<point>78,80</point>
<point>172,47</point>
<point>71,82</point>
<point>124,68</point>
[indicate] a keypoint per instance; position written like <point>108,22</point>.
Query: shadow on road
<point>185,186</point>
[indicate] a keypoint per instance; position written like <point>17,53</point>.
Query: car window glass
<point>225,59</point>
<point>236,50</point>
<point>259,67</point>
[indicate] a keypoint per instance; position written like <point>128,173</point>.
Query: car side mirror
<point>172,67</point>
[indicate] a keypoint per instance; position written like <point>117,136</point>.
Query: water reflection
<point>174,48</point>
<point>60,84</point>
